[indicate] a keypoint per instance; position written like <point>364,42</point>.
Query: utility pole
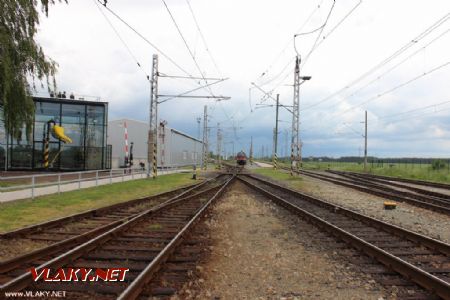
<point>251,151</point>
<point>219,146</point>
<point>286,143</point>
<point>295,118</point>
<point>205,138</point>
<point>195,144</point>
<point>152,158</point>
<point>365,144</point>
<point>275,134</point>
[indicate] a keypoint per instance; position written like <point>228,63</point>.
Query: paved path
<point>53,189</point>
<point>262,165</point>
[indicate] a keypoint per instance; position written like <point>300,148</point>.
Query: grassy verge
<point>411,171</point>
<point>293,182</point>
<point>22,213</point>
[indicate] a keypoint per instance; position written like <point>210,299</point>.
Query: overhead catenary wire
<point>122,40</point>
<point>320,29</point>
<point>385,61</point>
<point>172,61</point>
<point>397,86</point>
<point>392,68</point>
<point>289,41</point>
<point>413,110</point>
<point>203,38</point>
<point>352,10</point>
<point>187,47</point>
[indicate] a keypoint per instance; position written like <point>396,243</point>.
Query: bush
<point>438,164</point>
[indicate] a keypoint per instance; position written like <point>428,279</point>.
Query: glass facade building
<point>85,122</point>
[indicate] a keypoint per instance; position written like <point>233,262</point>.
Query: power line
<point>146,40</point>
<point>121,39</point>
<point>385,61</point>
<point>398,86</point>
<point>318,36</point>
<point>289,41</point>
<point>339,23</point>
<point>413,110</point>
<point>187,46</point>
<point>203,38</point>
<point>392,68</point>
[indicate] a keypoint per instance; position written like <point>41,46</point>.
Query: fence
<point>58,180</point>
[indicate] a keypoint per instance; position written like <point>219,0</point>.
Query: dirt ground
<point>408,216</point>
<point>260,251</point>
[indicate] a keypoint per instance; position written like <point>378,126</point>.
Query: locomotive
<point>241,158</point>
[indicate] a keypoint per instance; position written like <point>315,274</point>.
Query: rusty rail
<point>408,270</point>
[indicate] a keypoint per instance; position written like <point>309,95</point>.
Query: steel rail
<point>23,280</point>
<point>391,183</point>
<point>381,193</point>
<point>376,185</point>
<point>412,181</point>
<point>408,270</point>
<point>134,289</point>
<point>15,262</point>
<point>98,211</point>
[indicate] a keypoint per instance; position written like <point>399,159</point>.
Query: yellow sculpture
<point>58,133</point>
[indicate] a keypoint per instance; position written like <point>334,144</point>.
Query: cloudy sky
<point>390,58</point>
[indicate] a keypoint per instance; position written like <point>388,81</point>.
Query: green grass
<point>412,171</point>
<point>402,170</point>
<point>280,175</point>
<point>18,214</point>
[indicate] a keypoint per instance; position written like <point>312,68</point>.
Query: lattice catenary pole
<point>205,138</point>
<point>251,151</point>
<point>152,157</point>
<point>295,119</point>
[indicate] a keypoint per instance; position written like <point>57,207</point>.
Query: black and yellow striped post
<point>275,161</point>
<point>154,161</point>
<point>46,151</point>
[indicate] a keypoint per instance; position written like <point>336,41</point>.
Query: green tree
<point>22,61</point>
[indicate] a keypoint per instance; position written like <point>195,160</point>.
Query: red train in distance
<point>241,158</point>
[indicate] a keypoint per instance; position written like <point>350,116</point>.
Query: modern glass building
<point>85,122</point>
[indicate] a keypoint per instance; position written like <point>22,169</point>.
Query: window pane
<point>47,111</point>
<point>94,136</point>
<point>73,114</point>
<point>39,128</point>
<point>75,132</point>
<point>53,159</point>
<point>72,158</point>
<point>94,158</point>
<point>21,156</point>
<point>95,114</point>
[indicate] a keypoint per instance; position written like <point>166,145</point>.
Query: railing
<point>33,181</point>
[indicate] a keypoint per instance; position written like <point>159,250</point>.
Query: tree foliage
<point>22,61</point>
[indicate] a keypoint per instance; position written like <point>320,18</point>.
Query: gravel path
<point>263,252</point>
<point>405,215</point>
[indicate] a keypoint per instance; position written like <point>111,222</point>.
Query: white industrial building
<point>175,148</point>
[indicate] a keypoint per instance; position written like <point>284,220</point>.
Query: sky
<point>389,58</point>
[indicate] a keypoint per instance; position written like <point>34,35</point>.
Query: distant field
<point>403,170</point>
<point>25,212</point>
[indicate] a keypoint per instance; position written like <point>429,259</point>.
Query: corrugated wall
<point>174,147</point>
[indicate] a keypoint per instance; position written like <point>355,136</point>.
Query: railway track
<point>419,259</point>
<point>405,180</point>
<point>142,244</point>
<point>441,205</point>
<point>64,233</point>
<point>398,184</point>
